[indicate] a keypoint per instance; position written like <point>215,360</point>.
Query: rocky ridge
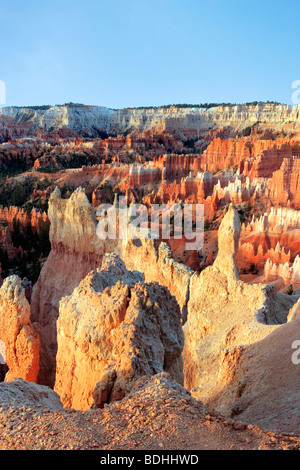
<point>92,120</point>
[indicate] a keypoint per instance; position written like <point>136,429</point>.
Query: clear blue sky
<point>120,53</point>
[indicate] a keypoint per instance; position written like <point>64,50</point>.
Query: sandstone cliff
<point>90,121</point>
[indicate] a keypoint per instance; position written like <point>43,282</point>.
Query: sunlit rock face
<point>19,336</point>
<point>113,329</point>
<point>75,251</point>
<point>285,183</point>
<point>90,120</point>
<point>225,313</point>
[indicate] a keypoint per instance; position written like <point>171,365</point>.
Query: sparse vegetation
<point>290,290</point>
<point>206,224</point>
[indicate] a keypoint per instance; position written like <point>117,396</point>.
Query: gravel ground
<point>158,414</point>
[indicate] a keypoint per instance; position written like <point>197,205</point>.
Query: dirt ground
<point>158,414</point>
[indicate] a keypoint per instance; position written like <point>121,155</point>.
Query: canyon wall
<point>90,120</point>
<point>285,183</point>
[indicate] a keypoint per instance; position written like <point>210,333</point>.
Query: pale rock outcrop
<point>75,251</point>
<point>228,240</point>
<point>155,261</point>
<point>277,221</point>
<point>21,393</point>
<point>89,120</point>
<point>17,333</point>
<point>271,242</point>
<point>238,192</point>
<point>225,313</point>
<point>113,329</point>
<point>290,274</point>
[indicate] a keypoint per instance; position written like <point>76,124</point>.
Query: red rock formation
<point>265,162</point>
<point>222,154</point>
<point>189,189</point>
<point>143,174</point>
<point>34,219</point>
<point>177,166</point>
<point>254,157</point>
<point>285,183</point>
<point>6,242</point>
<point>247,255</point>
<point>16,331</point>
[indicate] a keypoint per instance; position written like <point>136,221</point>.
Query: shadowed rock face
<point>21,393</point>
<point>259,383</point>
<point>113,329</point>
<point>17,333</point>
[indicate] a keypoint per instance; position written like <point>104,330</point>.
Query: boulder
<point>111,330</point>
<point>20,393</point>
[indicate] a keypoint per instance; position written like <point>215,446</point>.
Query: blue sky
<point>141,53</point>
